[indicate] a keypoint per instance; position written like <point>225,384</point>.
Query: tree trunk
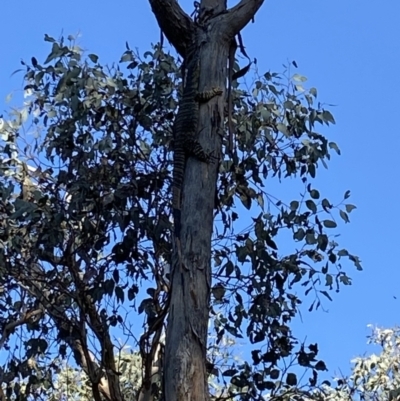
<point>185,376</point>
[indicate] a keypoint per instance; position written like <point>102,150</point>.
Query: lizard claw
<point>211,157</point>
<point>217,90</point>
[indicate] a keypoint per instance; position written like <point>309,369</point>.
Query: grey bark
<point>185,376</point>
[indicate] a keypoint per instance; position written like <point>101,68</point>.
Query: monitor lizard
<point>186,142</point>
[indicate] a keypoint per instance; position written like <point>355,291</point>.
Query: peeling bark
<point>185,376</point>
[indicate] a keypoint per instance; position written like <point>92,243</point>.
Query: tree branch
<point>25,318</point>
<point>174,23</point>
<point>235,19</point>
<point>178,26</point>
<point>34,279</point>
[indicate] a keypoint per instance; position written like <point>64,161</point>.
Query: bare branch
<point>235,19</point>
<point>174,22</point>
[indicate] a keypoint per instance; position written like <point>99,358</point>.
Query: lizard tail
<point>179,166</point>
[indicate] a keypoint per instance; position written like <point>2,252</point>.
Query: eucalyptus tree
<point>86,246</point>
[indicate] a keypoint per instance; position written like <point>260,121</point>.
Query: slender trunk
<point>185,376</point>
<point>185,372</point>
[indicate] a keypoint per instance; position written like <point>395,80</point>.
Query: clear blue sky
<point>350,51</point>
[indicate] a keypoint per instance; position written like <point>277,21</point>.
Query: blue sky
<point>350,51</point>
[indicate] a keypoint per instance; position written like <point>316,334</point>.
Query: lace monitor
<point>186,142</point>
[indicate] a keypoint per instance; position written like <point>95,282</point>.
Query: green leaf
<point>119,292</point>
<point>311,205</point>
<point>93,57</point>
<point>313,92</point>
<point>116,276</point>
<point>74,73</point>
<point>282,128</point>
<point>332,145</point>
<point>329,224</point>
<point>229,268</point>
<point>350,207</point>
<point>328,282</point>
<point>255,92</point>
<point>9,97</point>
<point>23,207</point>
<point>294,205</point>
<point>299,234</point>
<point>326,204</point>
<point>291,379</point>
<point>320,365</point>
<point>345,280</point>
<point>314,194</point>
<point>55,52</point>
<point>343,252</point>
<point>48,38</point>
<point>356,261</point>
<point>310,238</point>
<point>332,257</point>
<point>327,116</point>
<point>344,216</point>
<point>109,287</point>
<point>274,374</point>
<point>246,201</point>
<point>218,291</point>
<point>132,293</point>
<point>127,56</point>
<point>322,242</point>
<point>311,170</point>
<point>326,294</point>
<point>299,78</point>
<point>260,200</point>
<point>288,105</point>
<point>229,372</point>
<point>265,114</point>
<point>273,89</point>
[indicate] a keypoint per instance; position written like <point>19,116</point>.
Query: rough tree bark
<point>185,375</point>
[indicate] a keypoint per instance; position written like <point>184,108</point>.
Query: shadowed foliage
<point>85,227</point>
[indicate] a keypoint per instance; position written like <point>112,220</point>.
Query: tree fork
<point>185,375</point>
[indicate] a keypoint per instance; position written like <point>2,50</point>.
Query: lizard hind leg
<point>205,96</point>
<point>194,149</point>
<point>200,154</point>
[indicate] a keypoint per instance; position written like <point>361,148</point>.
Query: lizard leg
<point>191,144</point>
<point>194,149</point>
<point>208,95</point>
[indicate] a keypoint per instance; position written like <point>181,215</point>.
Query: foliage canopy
<point>85,222</point>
